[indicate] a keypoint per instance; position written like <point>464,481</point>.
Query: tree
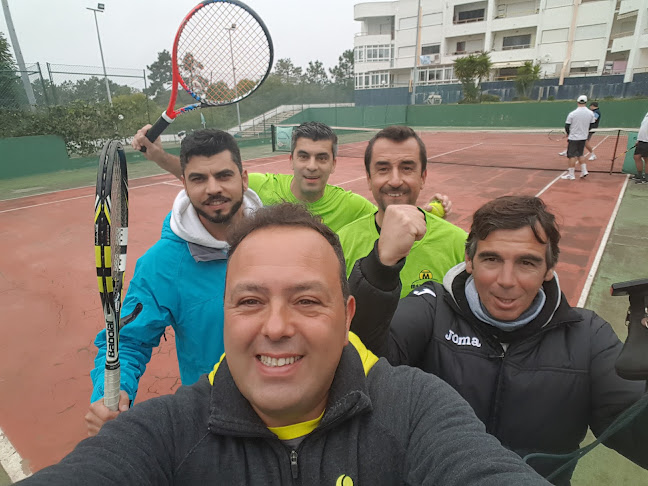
<point>10,92</point>
<point>316,74</point>
<point>526,77</point>
<point>342,73</point>
<point>470,71</point>
<point>160,75</point>
<point>287,71</point>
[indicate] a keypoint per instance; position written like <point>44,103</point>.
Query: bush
<point>551,98</point>
<point>521,98</point>
<point>489,98</point>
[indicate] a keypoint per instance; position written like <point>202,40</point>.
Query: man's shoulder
<point>360,224</point>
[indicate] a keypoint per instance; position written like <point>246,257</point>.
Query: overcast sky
<point>134,31</point>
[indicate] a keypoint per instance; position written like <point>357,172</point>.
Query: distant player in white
<point>641,152</point>
<point>577,126</point>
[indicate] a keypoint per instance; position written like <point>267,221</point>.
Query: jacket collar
<point>232,415</point>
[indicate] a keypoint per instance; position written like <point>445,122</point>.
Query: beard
<point>219,218</point>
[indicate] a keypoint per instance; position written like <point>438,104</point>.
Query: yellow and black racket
<point>111,239</point>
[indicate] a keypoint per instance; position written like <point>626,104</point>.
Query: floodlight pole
<point>19,58</point>
<point>100,8</point>
<point>238,112</point>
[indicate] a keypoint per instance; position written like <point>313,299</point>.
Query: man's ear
<point>423,177</point>
<point>244,176</point>
<point>469,265</point>
<point>549,275</point>
<point>350,312</point>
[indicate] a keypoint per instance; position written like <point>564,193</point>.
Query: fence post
<point>148,113</point>
<point>40,75</point>
<point>51,78</point>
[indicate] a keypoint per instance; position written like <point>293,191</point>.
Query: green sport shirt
<point>336,207</point>
<point>442,247</point>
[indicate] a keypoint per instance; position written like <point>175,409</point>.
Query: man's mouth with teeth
<point>216,201</point>
<point>277,362</point>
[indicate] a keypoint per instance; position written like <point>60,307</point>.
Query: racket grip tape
<point>112,382</point>
<point>156,130</point>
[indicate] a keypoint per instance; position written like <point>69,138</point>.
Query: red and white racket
<point>222,53</point>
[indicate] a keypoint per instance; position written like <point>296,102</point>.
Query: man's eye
<point>248,302</point>
<point>307,301</point>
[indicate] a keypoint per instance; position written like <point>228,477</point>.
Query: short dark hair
<point>396,133</point>
<point>314,131</point>
<point>594,103</point>
<point>511,213</point>
<point>288,215</point>
<point>209,142</point>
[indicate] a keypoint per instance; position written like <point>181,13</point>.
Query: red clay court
<point>48,289</point>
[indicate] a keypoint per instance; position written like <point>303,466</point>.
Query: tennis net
<point>534,149</point>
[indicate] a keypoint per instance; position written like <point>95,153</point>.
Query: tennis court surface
<point>51,307</point>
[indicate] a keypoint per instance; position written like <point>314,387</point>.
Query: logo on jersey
<point>424,276</point>
<point>462,340</point>
<point>344,480</point>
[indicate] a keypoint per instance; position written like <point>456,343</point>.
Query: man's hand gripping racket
<point>222,53</point>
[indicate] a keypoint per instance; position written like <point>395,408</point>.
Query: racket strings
<point>223,53</point>
<point>119,212</point>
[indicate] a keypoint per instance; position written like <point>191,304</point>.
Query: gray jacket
<point>392,426</point>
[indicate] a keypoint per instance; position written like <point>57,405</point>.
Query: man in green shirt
<point>313,158</point>
<point>396,165</point>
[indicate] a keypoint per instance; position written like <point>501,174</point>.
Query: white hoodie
<point>186,224</point>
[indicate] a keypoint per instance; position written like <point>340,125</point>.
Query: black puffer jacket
<point>537,392</point>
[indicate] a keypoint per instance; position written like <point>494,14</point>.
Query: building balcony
<point>622,43</point>
<point>364,39</point>
<point>513,55</point>
<point>363,11</point>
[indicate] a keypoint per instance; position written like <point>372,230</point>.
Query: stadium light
<point>100,8</point>
<point>238,113</point>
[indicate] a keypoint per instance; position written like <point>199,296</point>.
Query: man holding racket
<point>178,282</point>
<point>313,159</point>
<point>577,126</point>
<point>296,399</point>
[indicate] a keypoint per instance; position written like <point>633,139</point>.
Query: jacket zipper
<point>492,422</point>
<point>293,464</point>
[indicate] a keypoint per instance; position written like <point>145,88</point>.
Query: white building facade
<point>415,42</point>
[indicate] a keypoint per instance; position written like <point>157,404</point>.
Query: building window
<point>461,47</point>
<point>432,49</point>
<point>373,53</point>
<point>437,75</point>
<point>376,79</point>
<point>516,42</point>
<point>469,16</point>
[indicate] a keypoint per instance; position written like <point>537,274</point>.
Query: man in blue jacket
<point>179,281</point>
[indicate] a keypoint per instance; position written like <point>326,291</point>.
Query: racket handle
<point>112,382</point>
<point>156,130</point>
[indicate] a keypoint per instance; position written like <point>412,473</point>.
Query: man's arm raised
<point>155,152</point>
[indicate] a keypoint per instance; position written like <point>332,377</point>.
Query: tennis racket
<point>557,135</point>
<point>111,238</point>
<point>222,53</point>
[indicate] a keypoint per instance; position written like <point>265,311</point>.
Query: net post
<point>273,132</point>
<point>614,153</point>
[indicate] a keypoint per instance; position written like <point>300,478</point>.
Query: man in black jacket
<point>536,371</point>
<point>292,402</point>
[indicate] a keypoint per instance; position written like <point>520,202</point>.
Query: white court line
<point>11,460</point>
<point>550,184</point>
<point>352,180</point>
<point>72,198</point>
<point>601,249</point>
<point>453,151</point>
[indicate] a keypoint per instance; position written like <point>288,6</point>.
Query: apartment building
<point>408,42</point>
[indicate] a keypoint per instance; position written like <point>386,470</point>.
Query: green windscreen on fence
<point>22,156</point>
